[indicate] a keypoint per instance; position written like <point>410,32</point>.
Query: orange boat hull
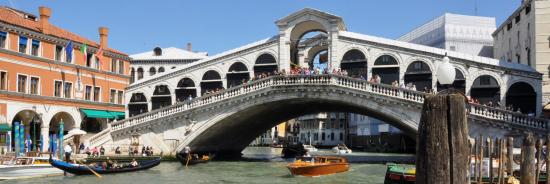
<point>316,169</point>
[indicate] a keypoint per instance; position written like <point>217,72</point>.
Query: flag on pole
<point>100,55</point>
<point>84,50</point>
<point>69,50</point>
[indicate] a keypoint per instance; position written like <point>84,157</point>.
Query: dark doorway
<point>185,89</point>
<point>161,97</point>
<point>522,97</point>
<point>265,63</point>
<point>237,74</point>
<point>355,63</point>
<point>419,74</point>
<point>485,89</point>
<point>137,104</point>
<point>387,68</point>
<point>211,82</point>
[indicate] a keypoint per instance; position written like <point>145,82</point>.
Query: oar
<point>188,158</point>
<point>96,174</point>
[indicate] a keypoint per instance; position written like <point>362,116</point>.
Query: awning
<point>93,113</point>
<point>5,128</point>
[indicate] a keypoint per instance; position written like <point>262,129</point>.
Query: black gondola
<point>183,159</point>
<point>85,170</point>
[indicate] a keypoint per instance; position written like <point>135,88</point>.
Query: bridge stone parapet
<point>232,113</point>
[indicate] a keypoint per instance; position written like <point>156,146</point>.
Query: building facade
<point>154,63</point>
<point>460,33</point>
<point>323,129</point>
<point>525,38</point>
<point>370,134</point>
<point>50,76</point>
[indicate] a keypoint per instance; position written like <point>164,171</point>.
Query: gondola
<point>183,160</point>
<point>85,170</point>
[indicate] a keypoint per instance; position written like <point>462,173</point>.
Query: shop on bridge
<point>237,74</point>
<point>185,89</point>
<point>265,63</point>
<point>161,97</point>
<point>387,68</point>
<point>485,89</point>
<point>419,74</point>
<point>355,63</point>
<point>211,81</point>
<point>137,105</point>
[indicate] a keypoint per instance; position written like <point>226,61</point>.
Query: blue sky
<point>215,26</point>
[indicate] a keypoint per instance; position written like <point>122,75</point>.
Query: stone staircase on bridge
<point>502,118</point>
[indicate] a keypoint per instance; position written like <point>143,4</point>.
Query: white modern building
<point>323,129</point>
<point>525,38</point>
<point>148,64</point>
<point>460,33</point>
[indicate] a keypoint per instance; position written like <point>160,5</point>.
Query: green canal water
<point>268,172</point>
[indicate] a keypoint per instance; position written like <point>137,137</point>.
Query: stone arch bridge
<point>162,117</point>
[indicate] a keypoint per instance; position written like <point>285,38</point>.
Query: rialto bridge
<point>226,121</point>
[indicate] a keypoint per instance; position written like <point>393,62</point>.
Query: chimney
<point>103,35</point>
<point>189,47</point>
<point>45,14</point>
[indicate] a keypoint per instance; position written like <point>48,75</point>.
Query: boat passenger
<point>134,163</point>
<point>307,157</point>
<point>68,150</point>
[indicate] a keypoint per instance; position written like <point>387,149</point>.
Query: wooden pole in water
<point>527,168</point>
<point>442,149</point>
<point>510,153</point>
<point>490,153</point>
<point>480,157</point>
<point>476,162</point>
<point>547,158</point>
<point>539,161</point>
<point>501,142</point>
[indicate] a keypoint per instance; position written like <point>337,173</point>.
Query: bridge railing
<point>509,116</point>
<point>344,81</point>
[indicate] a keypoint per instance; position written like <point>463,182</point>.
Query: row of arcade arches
<point>521,96</point>
<point>139,73</point>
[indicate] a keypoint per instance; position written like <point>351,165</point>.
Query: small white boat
<point>341,150</point>
<point>28,167</point>
<point>310,148</point>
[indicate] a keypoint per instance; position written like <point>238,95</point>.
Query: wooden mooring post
<point>490,154</point>
<point>538,147</point>
<point>510,156</point>
<point>480,157</point>
<point>527,167</point>
<point>547,158</point>
<point>443,148</point>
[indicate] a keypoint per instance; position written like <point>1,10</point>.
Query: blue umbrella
<point>22,139</point>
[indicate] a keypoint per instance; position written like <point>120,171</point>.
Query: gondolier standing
<point>187,151</point>
<point>68,150</point>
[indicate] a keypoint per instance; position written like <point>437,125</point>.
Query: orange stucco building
<point>44,82</point>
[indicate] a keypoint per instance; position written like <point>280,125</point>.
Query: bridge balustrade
<point>334,80</point>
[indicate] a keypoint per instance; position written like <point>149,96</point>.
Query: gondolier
<point>68,150</point>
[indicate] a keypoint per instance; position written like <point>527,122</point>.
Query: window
<point>68,89</point>
<point>529,57</point>
<point>21,83</point>
<point>97,93</point>
<point>140,73</point>
<point>518,58</point>
<point>35,47</point>
<point>157,51</point>
<point>22,44</point>
<point>332,136</point>
<point>152,71</point>
<point>113,65</point>
<point>97,63</point>
<point>120,96</point>
<point>89,59</point>
<point>58,52</point>
<point>341,136</point>
<point>518,18</point>
<point>57,88</point>
<point>161,69</point>
<point>35,84</point>
<point>112,96</point>
<point>69,59</point>
<point>323,136</point>
<point>527,9</point>
<point>120,67</point>
<point>3,39</point>
<point>509,26</point>
<point>3,81</point>
<point>88,95</point>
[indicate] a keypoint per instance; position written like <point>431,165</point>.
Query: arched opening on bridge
<point>211,82</point>
<point>419,75</point>
<point>265,63</point>
<point>161,69</point>
<point>485,89</point>
<point>132,75</point>
<point>387,68</point>
<point>32,123</point>
<point>522,97</point>
<point>303,33</point>
<point>185,89</point>
<point>161,97</point>
<point>137,104</point>
<point>237,74</point>
<point>319,61</point>
<point>152,71</point>
<point>140,73</point>
<point>458,84</point>
<point>355,63</point>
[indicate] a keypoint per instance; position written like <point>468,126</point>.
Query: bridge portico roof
<point>310,11</point>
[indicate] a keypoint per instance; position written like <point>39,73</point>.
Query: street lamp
<point>446,72</point>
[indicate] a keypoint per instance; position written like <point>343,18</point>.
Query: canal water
<point>269,171</point>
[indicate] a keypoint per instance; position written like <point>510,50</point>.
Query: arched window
<point>265,63</point>
<point>237,74</point>
<point>132,75</point>
<point>419,75</point>
<point>211,82</point>
<point>161,69</point>
<point>387,68</point>
<point>185,89</point>
<point>157,51</point>
<point>137,104</point>
<point>521,97</point>
<point>161,97</point>
<point>140,73</point>
<point>485,89</point>
<point>152,71</point>
<point>355,63</point>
